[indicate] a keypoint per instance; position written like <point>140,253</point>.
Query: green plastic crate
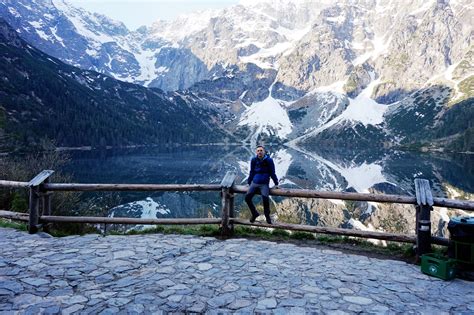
<point>438,266</point>
<point>464,252</point>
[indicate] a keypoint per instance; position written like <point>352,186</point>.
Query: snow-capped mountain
<point>95,42</point>
<point>303,71</point>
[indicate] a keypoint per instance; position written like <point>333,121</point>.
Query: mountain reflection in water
<point>322,169</point>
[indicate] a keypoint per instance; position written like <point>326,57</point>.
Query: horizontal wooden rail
<point>335,231</point>
<point>13,184</point>
<point>70,219</point>
<point>108,220</point>
<point>452,203</point>
<point>305,193</point>
<point>402,238</point>
<point>439,240</point>
<point>14,215</point>
<point>129,187</point>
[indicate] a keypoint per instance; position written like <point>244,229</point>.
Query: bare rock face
<point>358,80</point>
<point>420,47</point>
<point>180,69</point>
<point>314,211</point>
<point>394,218</point>
<point>466,65</point>
<point>319,60</point>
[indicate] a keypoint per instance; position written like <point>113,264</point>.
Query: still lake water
<point>343,170</point>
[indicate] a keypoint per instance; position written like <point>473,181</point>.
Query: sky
<point>135,13</point>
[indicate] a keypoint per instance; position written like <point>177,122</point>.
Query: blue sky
<point>135,13</point>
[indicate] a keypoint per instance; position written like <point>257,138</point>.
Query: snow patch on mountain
<point>266,58</point>
<point>54,31</point>
<point>183,26</point>
<point>361,177</point>
<point>75,16</point>
<point>277,4</point>
<point>282,159</point>
<point>14,12</point>
<point>263,54</point>
<point>357,225</point>
<point>336,87</point>
<point>364,109</point>
<point>42,34</point>
<point>268,116</point>
<point>255,59</point>
<point>148,208</point>
<point>245,169</point>
<point>378,46</point>
<point>423,8</point>
<point>36,24</point>
<point>148,71</point>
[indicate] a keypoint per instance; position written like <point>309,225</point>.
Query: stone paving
<point>156,274</point>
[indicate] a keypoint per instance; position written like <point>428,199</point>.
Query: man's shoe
<point>269,221</point>
<point>252,219</point>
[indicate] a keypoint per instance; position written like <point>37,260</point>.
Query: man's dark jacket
<point>261,170</point>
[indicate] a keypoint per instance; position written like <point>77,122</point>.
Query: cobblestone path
<point>175,273</point>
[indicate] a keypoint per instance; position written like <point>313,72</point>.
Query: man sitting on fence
<point>261,169</point>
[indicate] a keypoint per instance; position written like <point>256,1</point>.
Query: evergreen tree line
<point>43,98</point>
<point>459,121</point>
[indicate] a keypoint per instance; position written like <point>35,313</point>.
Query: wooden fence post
<point>46,197</point>
<point>33,210</point>
<point>34,204</point>
<point>227,195</point>
<point>424,200</point>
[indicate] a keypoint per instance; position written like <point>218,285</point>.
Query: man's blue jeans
<point>265,192</point>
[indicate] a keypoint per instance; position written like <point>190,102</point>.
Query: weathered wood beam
<point>107,220</point>
<point>439,240</point>
<point>305,193</point>
<point>46,203</point>
<point>440,202</point>
<point>423,192</point>
<point>131,187</point>
<point>335,231</point>
<point>40,178</point>
<point>227,198</point>
<point>455,204</point>
<point>14,215</point>
<point>36,187</point>
<point>424,201</point>
<point>228,179</point>
<point>33,209</point>
<point>13,184</point>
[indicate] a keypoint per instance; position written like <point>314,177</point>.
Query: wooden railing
<point>41,189</point>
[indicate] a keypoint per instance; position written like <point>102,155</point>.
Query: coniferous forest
<point>42,98</point>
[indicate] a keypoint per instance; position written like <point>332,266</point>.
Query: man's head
<point>260,151</point>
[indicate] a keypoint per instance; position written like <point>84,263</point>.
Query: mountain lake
<point>383,171</point>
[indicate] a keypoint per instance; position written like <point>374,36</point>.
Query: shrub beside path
<point>180,273</point>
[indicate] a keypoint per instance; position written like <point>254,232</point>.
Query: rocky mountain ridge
<point>272,56</point>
